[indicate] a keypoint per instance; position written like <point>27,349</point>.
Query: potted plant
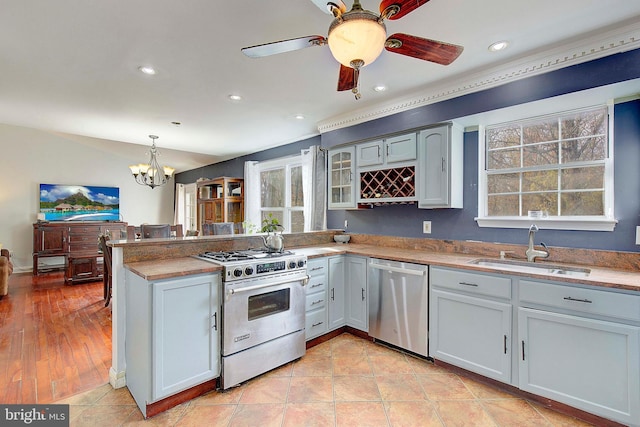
<point>271,224</point>
<point>273,241</point>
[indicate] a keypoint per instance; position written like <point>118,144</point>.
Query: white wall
<point>29,157</point>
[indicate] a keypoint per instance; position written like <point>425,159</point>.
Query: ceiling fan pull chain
<point>356,64</point>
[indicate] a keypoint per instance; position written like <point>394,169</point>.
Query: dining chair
<point>223,228</point>
<point>155,231</point>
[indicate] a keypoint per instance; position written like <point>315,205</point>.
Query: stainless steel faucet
<point>532,253</point>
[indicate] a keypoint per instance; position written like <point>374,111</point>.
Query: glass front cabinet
<point>342,186</point>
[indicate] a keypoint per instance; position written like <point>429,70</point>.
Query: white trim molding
<point>568,223</point>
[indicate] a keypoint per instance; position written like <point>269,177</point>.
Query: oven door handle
<point>230,292</point>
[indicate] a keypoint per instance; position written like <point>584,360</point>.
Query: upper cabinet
<point>384,152</point>
<point>341,172</point>
<point>440,165</point>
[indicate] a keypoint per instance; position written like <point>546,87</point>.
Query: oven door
<point>259,310</point>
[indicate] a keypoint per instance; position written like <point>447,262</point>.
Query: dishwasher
<point>399,304</point>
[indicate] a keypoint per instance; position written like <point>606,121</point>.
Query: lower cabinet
<point>356,292</point>
<point>337,297</point>
<point>172,335</point>
<point>568,355</point>
<point>470,322</point>
<point>316,298</point>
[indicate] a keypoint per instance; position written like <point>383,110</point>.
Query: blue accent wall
<point>459,224</point>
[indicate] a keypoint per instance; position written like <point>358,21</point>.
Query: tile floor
<point>346,381</point>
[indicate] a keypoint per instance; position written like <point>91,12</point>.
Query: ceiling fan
<point>356,38</point>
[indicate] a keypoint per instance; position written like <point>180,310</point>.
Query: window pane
<point>507,136</point>
<point>539,181</point>
<point>583,178</point>
<point>585,124</point>
<point>540,132</point>
<point>583,203</point>
<point>297,221</point>
<point>296,187</point>
<point>272,188</point>
<point>503,183</point>
<point>540,202</point>
<point>541,155</point>
<point>586,149</point>
<point>503,205</point>
<point>503,159</point>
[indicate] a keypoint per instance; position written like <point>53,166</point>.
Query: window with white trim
<point>281,194</point>
<point>556,169</point>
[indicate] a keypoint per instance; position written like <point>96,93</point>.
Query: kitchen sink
<point>530,267</point>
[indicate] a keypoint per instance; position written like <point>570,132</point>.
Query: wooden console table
<point>77,243</point>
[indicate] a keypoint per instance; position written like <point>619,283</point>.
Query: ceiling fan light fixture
<point>357,36</point>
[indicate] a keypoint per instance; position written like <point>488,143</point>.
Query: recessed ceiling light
<point>380,88</point>
<point>497,46</point>
<point>235,97</point>
<point>147,69</point>
<point>299,117</point>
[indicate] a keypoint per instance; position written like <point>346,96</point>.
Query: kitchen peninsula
<point>166,258</point>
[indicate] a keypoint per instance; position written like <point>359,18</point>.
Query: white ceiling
<point>71,66</point>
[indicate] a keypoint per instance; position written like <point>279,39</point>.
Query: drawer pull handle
<point>505,344</point>
<point>316,268</point>
<point>317,284</point>
<point>522,349</point>
<point>468,284</point>
<point>362,294</point>
<point>317,324</point>
<point>317,302</point>
<point>578,300</point>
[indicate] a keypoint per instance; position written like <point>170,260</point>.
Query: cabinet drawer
<point>84,247</point>
<point>317,266</point>
<point>316,323</point>
<point>316,284</point>
<point>83,238</point>
<point>588,301</point>
<point>315,301</point>
<point>92,230</point>
<point>475,283</point>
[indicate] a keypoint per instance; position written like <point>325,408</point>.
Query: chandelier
<point>152,174</point>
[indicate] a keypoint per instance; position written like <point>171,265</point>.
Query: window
<point>557,169</point>
<point>281,194</point>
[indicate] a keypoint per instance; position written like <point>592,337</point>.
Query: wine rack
<point>388,186</point>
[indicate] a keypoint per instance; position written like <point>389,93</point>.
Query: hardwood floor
<point>55,339</point>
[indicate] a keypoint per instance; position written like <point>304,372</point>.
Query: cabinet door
<point>340,178</point>
<point>590,364</point>
<point>185,337</point>
<point>53,240</point>
<point>337,268</point>
<point>472,333</point>
<point>400,148</point>
<point>370,153</point>
<point>433,146</point>
<point>356,285</point>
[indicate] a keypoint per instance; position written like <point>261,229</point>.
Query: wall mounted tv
<point>79,203</point>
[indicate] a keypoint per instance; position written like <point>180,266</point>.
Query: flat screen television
<point>79,203</point>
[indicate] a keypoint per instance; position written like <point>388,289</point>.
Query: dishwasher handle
<point>399,269</point>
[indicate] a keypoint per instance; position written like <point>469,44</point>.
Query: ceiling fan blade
<point>405,6</point>
<point>347,78</point>
<point>282,46</point>
<point>425,49</point>
<point>322,4</point>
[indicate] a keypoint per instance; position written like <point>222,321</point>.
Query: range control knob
<point>248,271</point>
<point>292,264</point>
<point>300,263</point>
<point>237,272</point>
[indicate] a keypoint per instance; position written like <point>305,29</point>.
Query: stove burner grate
<point>243,255</point>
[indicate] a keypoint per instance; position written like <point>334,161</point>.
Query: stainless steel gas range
<point>263,311</point>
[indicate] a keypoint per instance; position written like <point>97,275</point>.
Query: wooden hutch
<point>221,200</point>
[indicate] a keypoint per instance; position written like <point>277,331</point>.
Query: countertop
<point>601,277</point>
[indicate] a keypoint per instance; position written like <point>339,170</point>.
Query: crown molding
<point>595,46</point>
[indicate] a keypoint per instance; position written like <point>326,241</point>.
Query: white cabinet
<point>356,285</point>
<point>337,270</point>
<point>581,347</point>
<point>340,177</point>
<point>386,152</point>
<point>440,167</point>
<point>470,321</point>
<point>172,335</point>
<point>316,294</point>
